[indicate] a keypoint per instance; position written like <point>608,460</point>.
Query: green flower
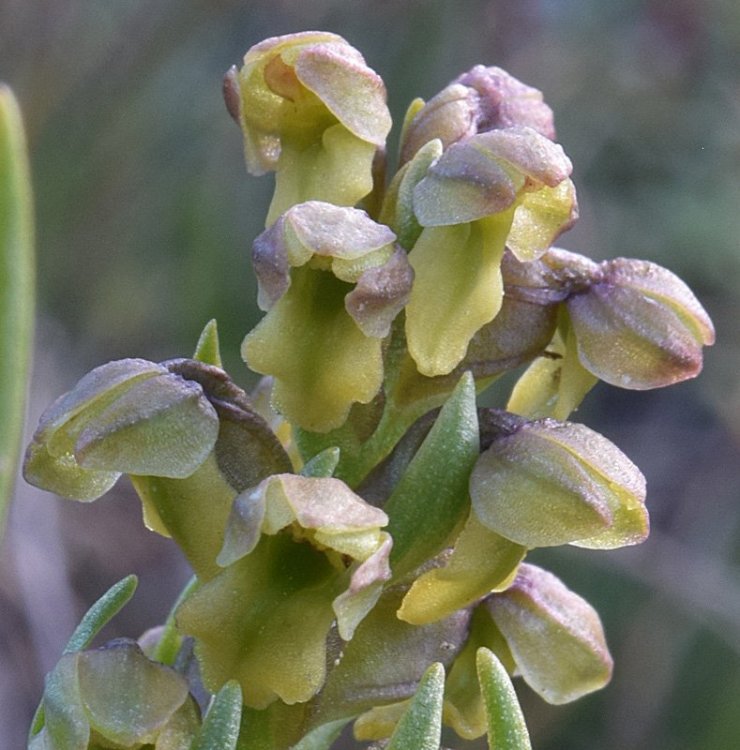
<point>503,188</point>
<point>332,281</point>
<point>554,637</point>
<point>129,416</point>
<point>481,561</point>
<point>184,433</point>
<point>539,630</point>
<point>300,553</point>
<point>313,112</point>
<point>628,322</point>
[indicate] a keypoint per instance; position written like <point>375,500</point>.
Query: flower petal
<point>127,698</point>
<point>321,360</point>
<point>162,426</point>
<point>380,294</point>
<point>352,92</point>
<point>540,218</point>
<point>481,561</point>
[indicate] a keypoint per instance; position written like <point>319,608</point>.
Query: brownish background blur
<point>145,216</point>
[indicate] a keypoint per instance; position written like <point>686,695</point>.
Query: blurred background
<point>146,215</point>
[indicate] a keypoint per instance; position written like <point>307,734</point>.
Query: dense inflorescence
<point>358,526</point>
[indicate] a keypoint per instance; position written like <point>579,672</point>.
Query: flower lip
<point>337,517</point>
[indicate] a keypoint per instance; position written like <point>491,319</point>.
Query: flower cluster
<point>358,521</point>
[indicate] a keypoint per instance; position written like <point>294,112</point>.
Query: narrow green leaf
<point>101,613</point>
<point>207,350</point>
<point>17,294</point>
<point>506,727</point>
<point>420,726</point>
<point>432,496</point>
<point>220,729</point>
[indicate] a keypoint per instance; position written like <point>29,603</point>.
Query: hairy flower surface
<point>182,430</point>
<point>639,326</point>
<point>555,637</point>
<point>114,697</point>
<point>480,100</point>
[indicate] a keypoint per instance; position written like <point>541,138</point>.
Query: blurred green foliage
<point>17,297</point>
<point>145,217</point>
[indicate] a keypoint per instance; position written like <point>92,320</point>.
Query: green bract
<point>358,527</point>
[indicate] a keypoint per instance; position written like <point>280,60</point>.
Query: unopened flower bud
<point>639,326</point>
<point>555,636</point>
<point>480,100</point>
<point>546,483</point>
<point>506,102</point>
<point>110,424</point>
